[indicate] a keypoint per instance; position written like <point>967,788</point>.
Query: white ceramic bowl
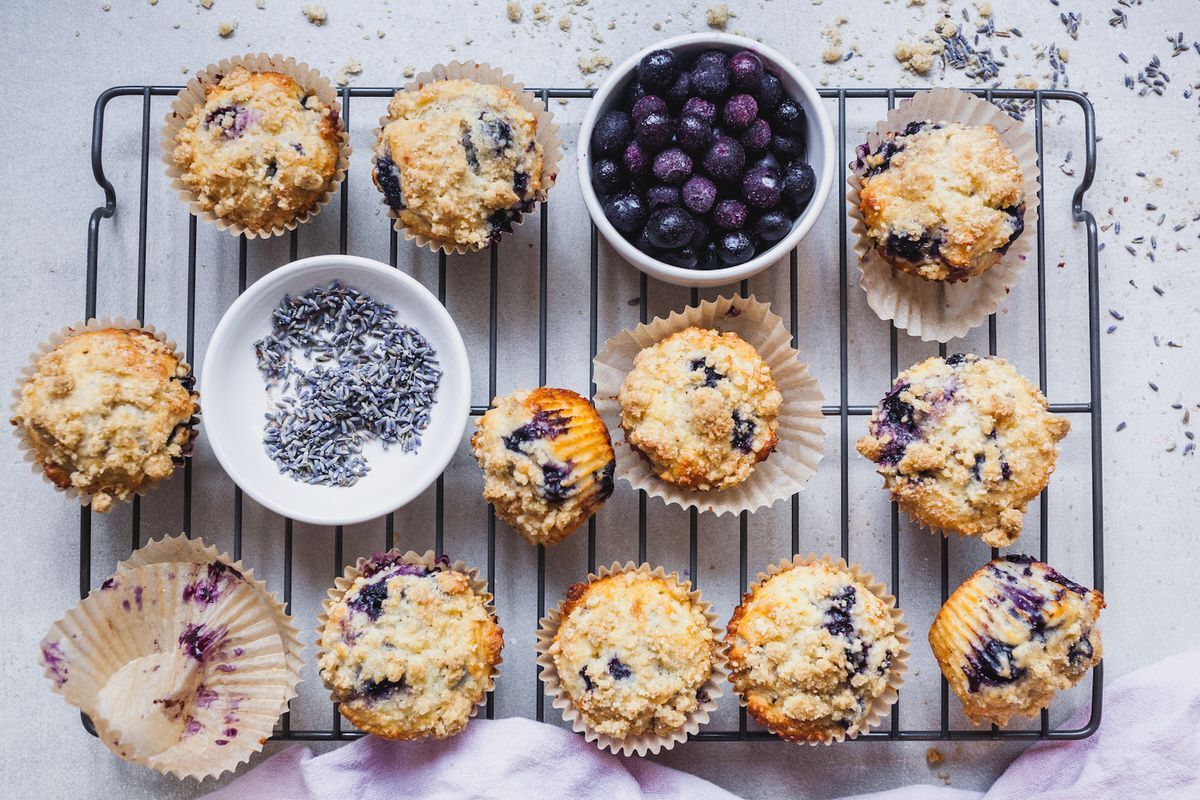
<point>235,398</point>
<point>820,154</point>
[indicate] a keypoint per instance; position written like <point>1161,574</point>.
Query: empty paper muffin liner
<point>547,136</point>
<point>25,445</point>
<point>193,95</point>
<point>879,708</point>
<point>651,743</point>
<point>938,310</point>
<point>800,430</point>
<point>183,666</point>
<point>429,559</point>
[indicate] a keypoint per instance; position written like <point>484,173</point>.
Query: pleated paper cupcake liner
<point>26,446</point>
<point>180,666</point>
<point>193,95</point>
<point>881,704</point>
<point>937,310</point>
<point>354,571</point>
<point>801,424</point>
<point>712,689</point>
<point>546,135</point>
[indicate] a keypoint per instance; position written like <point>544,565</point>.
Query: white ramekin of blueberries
<point>705,158</point>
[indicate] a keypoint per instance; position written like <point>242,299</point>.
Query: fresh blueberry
<point>700,231</point>
<point>735,247</point>
<point>730,215</point>
<point>672,166</point>
<point>625,211</point>
<point>745,71</point>
<point>684,257</point>
<point>633,92</point>
<point>657,69</point>
<point>680,91</point>
<point>699,107</point>
<point>742,438</point>
<point>387,180</point>
<point>636,160</point>
<point>646,105</point>
<point>662,197</point>
<point>770,92</point>
<point>669,228</point>
<point>757,137</point>
<point>710,80</point>
<point>739,111</point>
<point>773,225</point>
<point>790,116</point>
<point>760,187</point>
<point>606,176</point>
<point>710,256</point>
<point>699,194</point>
<point>693,134</point>
<point>718,57</point>
<point>788,148</point>
<point>654,131</point>
<point>799,182</point>
<point>611,133</point>
<point>642,242</point>
<point>769,161</point>
<point>725,159</point>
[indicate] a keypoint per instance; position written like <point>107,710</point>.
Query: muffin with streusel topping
<point>943,201</point>
<point>814,652</point>
<point>459,161</point>
<point>260,152</point>
<point>633,652</point>
<point>1013,635</point>
<point>701,407</point>
<point>964,443</point>
<point>410,647</point>
<point>108,412</point>
<point>547,461</point>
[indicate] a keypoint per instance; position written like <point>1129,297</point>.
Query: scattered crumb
<point>380,33</point>
<point>984,9</point>
<point>175,26</point>
<point>206,3</point>
<point>540,13</point>
<point>657,26</point>
<point>315,12</point>
<point>919,56</point>
<point>226,28</point>
<point>718,16</point>
<point>564,23</point>
<point>409,72</point>
<point>833,51</point>
<point>106,7</point>
<point>153,2</point>
<point>944,777</point>
<point>916,2</point>
<point>594,63</point>
<point>514,11</point>
<point>1062,55</point>
<point>261,5</point>
<point>184,70</point>
<point>1026,82</point>
<point>933,757</point>
<point>348,71</point>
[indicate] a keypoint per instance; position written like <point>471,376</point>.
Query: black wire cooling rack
<point>842,411</point>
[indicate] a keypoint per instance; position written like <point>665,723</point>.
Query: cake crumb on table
<point>919,56</point>
<point>594,63</point>
<point>315,13</point>
<point>933,757</point>
<point>540,12</point>
<point>206,3</point>
<point>409,72</point>
<point>564,23</point>
<point>348,71</point>
<point>226,28</point>
<point>718,16</point>
<point>514,11</point>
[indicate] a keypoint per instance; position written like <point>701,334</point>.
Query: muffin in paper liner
<point>708,693</point>
<point>800,430</point>
<point>26,446</point>
<point>547,136</point>
<point>193,95</point>
<point>428,559</point>
<point>179,664</point>
<point>896,666</point>
<point>938,310</point>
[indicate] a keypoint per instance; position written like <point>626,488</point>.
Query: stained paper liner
<point>648,742</point>
<point>427,559</point>
<point>126,657</point>
<point>879,708</point>
<point>800,431</point>
<point>193,95</point>
<point>25,445</point>
<point>938,310</point>
<point>546,135</point>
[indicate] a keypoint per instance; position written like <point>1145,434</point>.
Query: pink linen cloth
<point>1148,746</point>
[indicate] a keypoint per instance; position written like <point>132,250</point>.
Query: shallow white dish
<point>235,397</point>
<point>818,140</point>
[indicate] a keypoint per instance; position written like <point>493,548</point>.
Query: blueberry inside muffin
<point>547,461</point>
<point>261,151</point>
<point>942,201</point>
<point>459,161</point>
<point>1013,634</point>
<point>410,648</point>
<point>701,407</point>
<point>964,443</point>
<point>811,649</point>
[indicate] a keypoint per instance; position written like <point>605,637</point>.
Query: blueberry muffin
<point>547,461</point>
<point>964,443</point>
<point>260,152</point>
<point>701,407</point>
<point>459,161</point>
<point>942,201</point>
<point>812,650</point>
<point>108,412</point>
<point>1013,635</point>
<point>410,648</point>
<point>633,652</point>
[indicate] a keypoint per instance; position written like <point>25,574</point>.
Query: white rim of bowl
<point>269,283</point>
<point>726,275</point>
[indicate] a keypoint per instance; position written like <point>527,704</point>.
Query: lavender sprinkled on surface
<point>343,371</point>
